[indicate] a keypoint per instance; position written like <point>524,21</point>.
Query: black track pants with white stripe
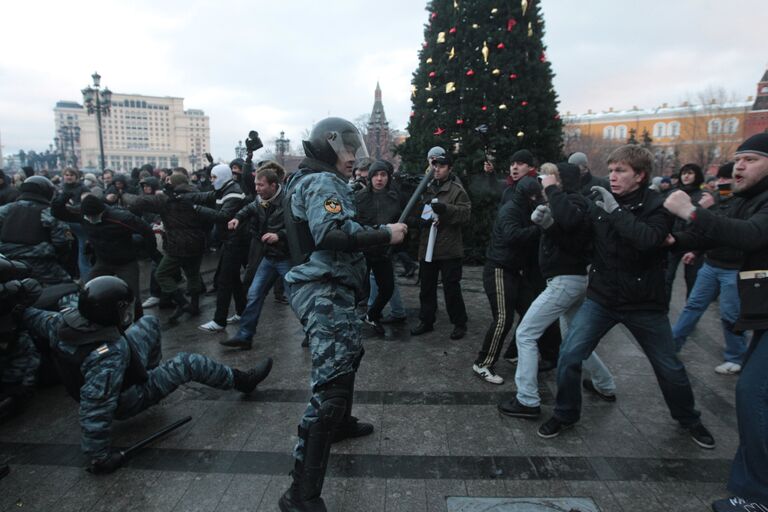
<point>502,287</point>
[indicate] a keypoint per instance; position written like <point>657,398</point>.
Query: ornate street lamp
<point>69,134</point>
<point>282,145</point>
<point>239,149</point>
<point>98,101</point>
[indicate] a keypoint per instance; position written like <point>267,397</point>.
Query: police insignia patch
<point>332,206</point>
<point>102,350</point>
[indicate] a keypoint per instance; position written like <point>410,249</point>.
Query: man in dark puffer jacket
<point>626,286</point>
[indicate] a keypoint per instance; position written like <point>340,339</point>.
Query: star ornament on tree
<point>439,131</point>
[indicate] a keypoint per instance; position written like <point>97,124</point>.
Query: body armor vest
<point>23,225</point>
<point>297,233</point>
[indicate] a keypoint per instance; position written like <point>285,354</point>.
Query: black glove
<point>30,291</point>
<point>10,288</point>
<point>439,208</point>
<point>106,465</point>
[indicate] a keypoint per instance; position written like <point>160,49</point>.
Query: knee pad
<point>332,400</point>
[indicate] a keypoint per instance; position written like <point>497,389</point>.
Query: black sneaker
<point>236,343</point>
<point>375,325</point>
<point>552,428</point>
<point>459,332</point>
<point>421,329</point>
<point>546,365</point>
<point>737,504</point>
<point>393,319</point>
<point>701,436</point>
<point>517,410</point>
<point>589,386</point>
<point>281,299</point>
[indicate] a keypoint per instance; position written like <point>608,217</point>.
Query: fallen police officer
<point>111,365</point>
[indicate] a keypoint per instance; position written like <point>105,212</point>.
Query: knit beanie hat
<point>523,156</point>
<point>725,171</point>
<point>757,143</point>
<point>91,205</point>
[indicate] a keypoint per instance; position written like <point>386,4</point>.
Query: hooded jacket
<point>185,232</point>
<point>565,246</point>
<point>267,217</point>
<point>514,238</point>
<point>219,207</point>
<point>449,243</point>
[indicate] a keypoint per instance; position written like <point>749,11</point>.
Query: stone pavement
<point>438,434</point>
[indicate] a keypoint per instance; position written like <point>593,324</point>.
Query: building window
<point>608,132</point>
<point>674,129</point>
<point>621,132</point>
<point>731,125</point>
<point>714,126</point>
<point>659,130</point>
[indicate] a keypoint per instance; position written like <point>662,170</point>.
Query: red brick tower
<point>378,138</point>
<point>757,118</point>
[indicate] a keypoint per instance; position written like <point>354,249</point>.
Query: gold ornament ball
<point>430,100</point>
<point>503,107</point>
<point>521,134</point>
<point>496,72</point>
<point>429,60</point>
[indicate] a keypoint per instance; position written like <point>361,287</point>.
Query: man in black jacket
<point>564,251</point>
<point>745,229</point>
<point>268,227</point>
<point>219,207</point>
<point>378,204</point>
<point>8,193</point>
<point>110,231</point>
<point>626,286</point>
<point>184,243</point>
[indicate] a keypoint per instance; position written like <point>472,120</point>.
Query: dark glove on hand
<point>106,465</point>
<point>31,291</point>
<point>439,208</point>
<point>10,288</point>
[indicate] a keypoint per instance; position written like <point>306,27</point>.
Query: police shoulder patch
<point>102,349</point>
<point>332,205</point>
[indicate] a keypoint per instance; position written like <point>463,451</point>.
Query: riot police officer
<point>111,365</point>
<point>328,276</point>
<point>19,360</point>
<point>29,233</point>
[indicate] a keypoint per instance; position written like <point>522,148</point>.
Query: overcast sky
<point>275,66</point>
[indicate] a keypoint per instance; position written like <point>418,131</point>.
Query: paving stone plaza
<point>439,439</point>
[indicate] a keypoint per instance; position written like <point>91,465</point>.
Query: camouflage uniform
<point>43,258</point>
<point>19,363</point>
<point>324,289</point>
<point>104,396</point>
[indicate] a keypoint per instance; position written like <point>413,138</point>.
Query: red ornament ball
<point>470,73</point>
<point>513,76</point>
<point>452,30</point>
<point>424,44</point>
<point>413,114</point>
<point>433,16</point>
<point>500,46</point>
<point>511,22</point>
<point>524,103</point>
<point>483,108</point>
<point>543,57</point>
<point>459,121</point>
<point>432,74</point>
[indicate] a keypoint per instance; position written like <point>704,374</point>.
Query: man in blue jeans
<point>626,285</point>
<point>564,250</point>
<point>267,226</point>
<point>746,229</point>
<point>717,276</point>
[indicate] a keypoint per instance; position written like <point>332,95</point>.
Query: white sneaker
<point>233,319</point>
<point>150,302</point>
<point>212,327</point>
<point>728,368</point>
<point>487,374</point>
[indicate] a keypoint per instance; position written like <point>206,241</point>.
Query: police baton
<point>131,450</point>
<point>414,199</point>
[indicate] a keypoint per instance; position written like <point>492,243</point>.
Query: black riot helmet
<point>10,270</point>
<point>335,139</point>
<point>39,186</point>
<point>107,301</point>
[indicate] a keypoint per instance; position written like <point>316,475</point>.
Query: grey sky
<point>275,66</point>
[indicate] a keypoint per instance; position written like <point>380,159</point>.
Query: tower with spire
<point>378,138</point>
<point>757,118</point>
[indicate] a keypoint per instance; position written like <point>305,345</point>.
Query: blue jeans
<point>83,262</point>
<point>267,273</point>
<point>710,282</point>
<point>560,300</point>
<point>395,303</point>
<point>654,335</point>
<point>749,472</point>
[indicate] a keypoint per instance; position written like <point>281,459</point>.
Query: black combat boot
<point>181,306</point>
<point>246,382</point>
<point>351,427</point>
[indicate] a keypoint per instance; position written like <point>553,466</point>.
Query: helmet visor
<point>348,145</point>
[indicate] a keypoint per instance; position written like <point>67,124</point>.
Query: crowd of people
<point>570,256</point>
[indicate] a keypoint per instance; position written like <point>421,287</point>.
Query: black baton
<point>154,437</point>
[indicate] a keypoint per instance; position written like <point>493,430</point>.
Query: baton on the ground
<point>154,437</point>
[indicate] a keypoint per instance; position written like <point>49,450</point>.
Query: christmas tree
<point>483,89</point>
<point>483,83</point>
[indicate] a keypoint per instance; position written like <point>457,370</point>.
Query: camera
<point>253,142</point>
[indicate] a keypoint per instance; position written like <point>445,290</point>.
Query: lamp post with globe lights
<point>98,101</point>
